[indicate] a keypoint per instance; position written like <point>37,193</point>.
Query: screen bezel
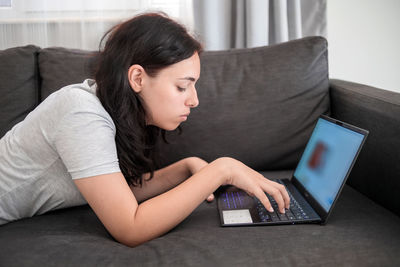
<point>307,195</point>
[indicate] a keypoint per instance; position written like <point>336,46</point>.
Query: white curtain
<point>226,24</point>
<point>76,23</point>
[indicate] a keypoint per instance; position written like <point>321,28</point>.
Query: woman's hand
<point>195,164</point>
<point>245,178</point>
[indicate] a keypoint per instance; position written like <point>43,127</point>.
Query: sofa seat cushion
<point>19,85</point>
<point>359,233</point>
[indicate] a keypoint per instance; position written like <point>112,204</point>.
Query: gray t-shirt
<point>68,136</point>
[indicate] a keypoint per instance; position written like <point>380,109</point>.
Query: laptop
<point>315,186</point>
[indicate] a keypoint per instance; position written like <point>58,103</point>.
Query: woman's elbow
<point>130,241</point>
<point>132,238</point>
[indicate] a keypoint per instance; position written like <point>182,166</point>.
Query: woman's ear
<point>135,76</point>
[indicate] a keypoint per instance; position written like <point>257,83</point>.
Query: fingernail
<point>271,210</point>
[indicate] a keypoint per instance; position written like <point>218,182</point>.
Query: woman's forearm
<point>160,214</point>
<point>164,179</point>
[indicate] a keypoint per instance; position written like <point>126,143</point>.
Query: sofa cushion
<point>19,85</point>
<point>358,233</point>
<point>257,105</point>
<point>60,66</point>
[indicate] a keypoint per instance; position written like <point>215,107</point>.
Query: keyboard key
<point>288,212</point>
<point>294,210</point>
<point>266,218</point>
<point>274,217</point>
<point>282,217</point>
<point>298,215</point>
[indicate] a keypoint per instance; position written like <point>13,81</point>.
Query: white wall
<point>364,41</point>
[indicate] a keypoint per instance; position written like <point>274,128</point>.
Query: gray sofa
<point>257,105</point>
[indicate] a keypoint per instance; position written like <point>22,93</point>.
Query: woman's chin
<point>165,126</point>
<point>171,127</point>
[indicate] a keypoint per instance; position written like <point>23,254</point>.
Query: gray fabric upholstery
<point>75,237</point>
<point>376,172</point>
<point>60,67</point>
<point>19,88</point>
<point>256,105</point>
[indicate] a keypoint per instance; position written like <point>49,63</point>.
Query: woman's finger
<point>283,191</point>
<point>263,199</point>
<point>277,191</point>
<point>276,194</point>
<point>210,198</point>
<point>285,195</point>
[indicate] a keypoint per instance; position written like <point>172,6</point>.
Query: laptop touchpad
<point>236,216</point>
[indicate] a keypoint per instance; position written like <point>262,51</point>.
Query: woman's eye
<point>180,89</point>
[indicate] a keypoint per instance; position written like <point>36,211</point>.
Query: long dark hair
<point>153,41</point>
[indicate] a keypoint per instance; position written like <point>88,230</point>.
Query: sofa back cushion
<point>60,66</point>
<point>19,85</point>
<point>257,105</point>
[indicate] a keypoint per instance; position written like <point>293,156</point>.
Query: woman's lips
<point>185,116</point>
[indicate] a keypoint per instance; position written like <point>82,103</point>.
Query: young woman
<point>93,142</point>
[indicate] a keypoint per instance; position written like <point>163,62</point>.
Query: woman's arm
<point>131,224</point>
<point>168,177</point>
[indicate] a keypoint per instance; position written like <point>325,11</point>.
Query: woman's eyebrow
<point>188,78</point>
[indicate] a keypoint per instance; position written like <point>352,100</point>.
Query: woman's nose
<point>193,100</point>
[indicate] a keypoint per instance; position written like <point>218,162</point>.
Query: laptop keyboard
<point>236,200</point>
<point>295,211</point>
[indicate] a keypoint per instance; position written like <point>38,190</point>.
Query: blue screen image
<point>326,160</point>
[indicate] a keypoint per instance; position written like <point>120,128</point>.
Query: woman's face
<point>169,96</point>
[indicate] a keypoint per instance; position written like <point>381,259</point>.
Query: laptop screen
<point>326,160</point>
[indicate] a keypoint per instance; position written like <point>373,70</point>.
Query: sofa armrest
<point>376,173</point>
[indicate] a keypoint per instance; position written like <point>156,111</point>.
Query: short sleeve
<point>85,142</point>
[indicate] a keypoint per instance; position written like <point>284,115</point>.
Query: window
<point>76,23</point>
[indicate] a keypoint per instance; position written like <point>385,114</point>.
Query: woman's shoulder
<point>78,94</point>
<point>75,98</point>
<point>77,101</point>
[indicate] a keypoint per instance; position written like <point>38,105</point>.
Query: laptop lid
<point>326,163</point>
